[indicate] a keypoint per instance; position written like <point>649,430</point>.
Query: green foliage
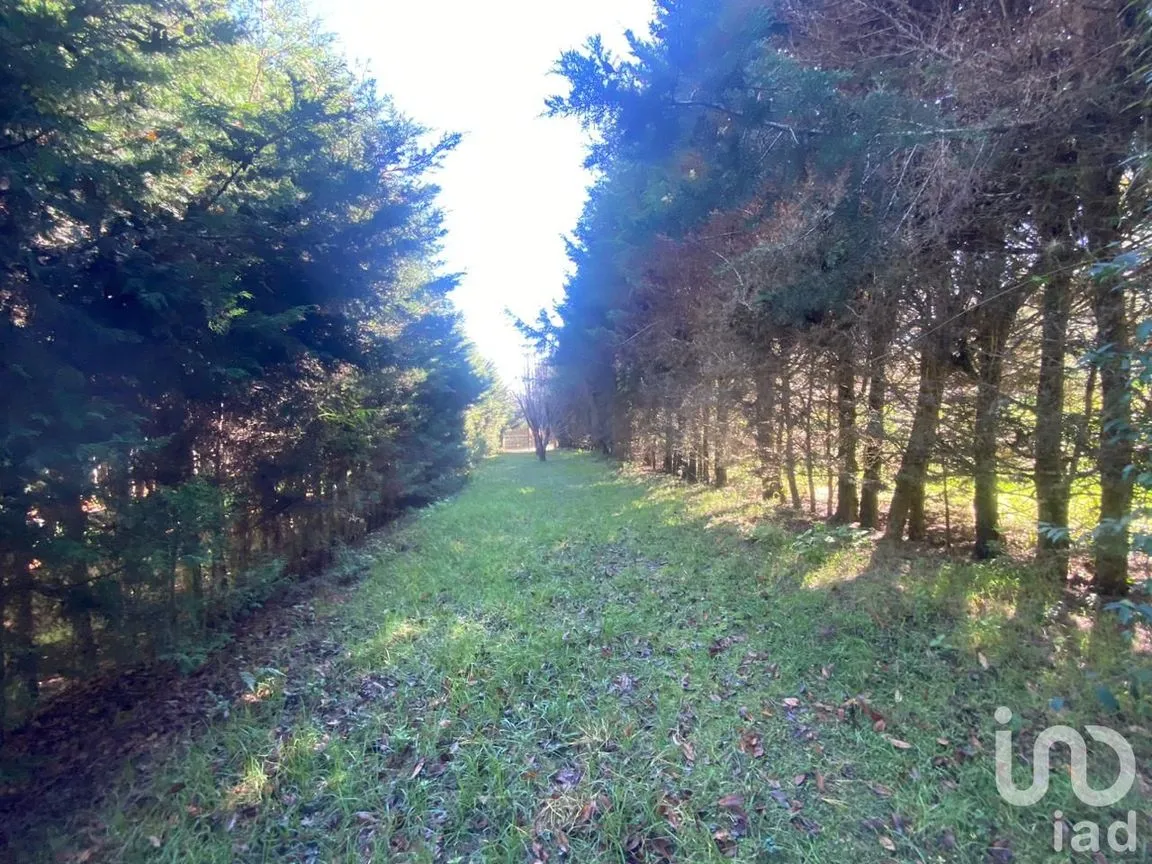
<point>486,420</point>
<point>224,346</point>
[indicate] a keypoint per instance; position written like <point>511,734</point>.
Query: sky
<point>515,186</point>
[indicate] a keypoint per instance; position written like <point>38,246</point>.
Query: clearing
<point>570,661</point>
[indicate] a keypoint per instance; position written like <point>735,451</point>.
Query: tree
<point>536,403</point>
<point>884,205</point>
<point>225,346</point>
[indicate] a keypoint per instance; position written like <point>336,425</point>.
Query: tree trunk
<point>874,432</point>
<point>1051,488</point>
<point>766,430</point>
<point>721,469</point>
<point>947,507</point>
<point>1113,342</point>
<point>847,497</point>
<point>1115,453</point>
<point>809,469</point>
<point>829,464</point>
<point>704,419</point>
<point>997,320</point>
<point>789,447</point>
<point>907,508</point>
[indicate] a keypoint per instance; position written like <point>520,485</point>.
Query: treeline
<point>223,346</point>
<point>870,246</point>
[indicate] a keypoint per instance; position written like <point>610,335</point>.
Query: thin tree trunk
<point>947,507</point>
<point>705,417</point>
<point>809,470</point>
<point>1084,426</point>
<point>679,465</point>
<point>907,508</point>
<point>1051,488</point>
<point>766,430</point>
<point>1113,342</point>
<point>874,432</point>
<point>722,432</point>
<point>829,463</point>
<point>990,345</point>
<point>789,447</point>
<point>847,497</point>
<point>1115,453</point>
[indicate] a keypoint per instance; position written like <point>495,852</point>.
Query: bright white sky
<point>516,184</point>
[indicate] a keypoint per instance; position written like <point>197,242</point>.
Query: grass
<point>571,661</point>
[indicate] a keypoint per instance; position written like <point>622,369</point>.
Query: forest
<point>888,257</point>
<point>225,343</point>
<point>840,509</point>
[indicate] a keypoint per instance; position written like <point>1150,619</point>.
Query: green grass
<point>569,660</point>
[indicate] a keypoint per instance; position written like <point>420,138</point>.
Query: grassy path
<point>567,662</point>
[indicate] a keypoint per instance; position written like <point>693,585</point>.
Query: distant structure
<point>516,438</point>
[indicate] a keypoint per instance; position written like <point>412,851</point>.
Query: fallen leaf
<point>888,843</point>
<point>791,702</point>
<point>155,841</point>
<point>587,812</point>
<point>803,823</point>
<point>415,771</point>
<point>751,744</point>
<point>734,804</point>
<point>983,660</point>
<point>721,645</point>
<point>685,747</point>
<point>568,776</point>
<point>1001,852</point>
<point>725,843</point>
<point>663,848</point>
<point>898,744</point>
<point>670,812</point>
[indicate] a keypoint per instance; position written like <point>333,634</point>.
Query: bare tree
<point>535,399</point>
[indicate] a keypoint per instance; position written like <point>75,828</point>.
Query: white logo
<point>1086,835</point>
<point>1040,770</point>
